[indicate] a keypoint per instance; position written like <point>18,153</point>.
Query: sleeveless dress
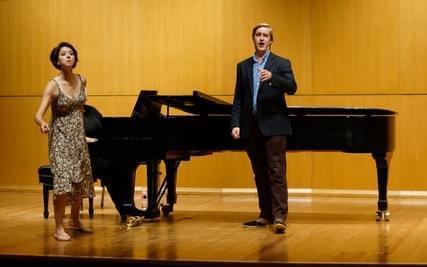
<point>68,150</point>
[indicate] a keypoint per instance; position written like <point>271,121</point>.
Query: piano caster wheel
<point>166,209</point>
<point>382,215</point>
<point>132,221</point>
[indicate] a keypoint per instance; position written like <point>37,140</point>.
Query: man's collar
<point>265,56</point>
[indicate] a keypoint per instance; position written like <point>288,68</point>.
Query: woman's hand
<point>44,127</point>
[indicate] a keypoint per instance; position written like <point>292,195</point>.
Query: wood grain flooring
<point>207,228</point>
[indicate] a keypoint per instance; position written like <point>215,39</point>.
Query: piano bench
<point>46,178</point>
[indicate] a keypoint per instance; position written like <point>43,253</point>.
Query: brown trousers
<point>268,159</point>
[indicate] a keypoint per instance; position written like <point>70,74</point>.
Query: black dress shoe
<point>260,222</point>
<point>137,212</point>
<point>131,211</point>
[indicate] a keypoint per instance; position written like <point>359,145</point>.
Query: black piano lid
<point>197,103</point>
<point>202,104</point>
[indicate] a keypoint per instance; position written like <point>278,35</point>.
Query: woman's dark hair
<point>54,54</point>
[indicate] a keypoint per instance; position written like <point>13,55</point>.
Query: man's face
<point>262,39</point>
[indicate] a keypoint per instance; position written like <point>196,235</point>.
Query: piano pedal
<point>133,221</point>
<point>144,200</point>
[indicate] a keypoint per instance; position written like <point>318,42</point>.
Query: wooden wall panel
<point>344,53</point>
<point>23,146</point>
<point>182,46</point>
<point>124,46</point>
<point>409,159</point>
<point>413,43</point>
<point>355,46</point>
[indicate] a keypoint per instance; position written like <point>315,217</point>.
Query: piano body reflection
<point>148,137</point>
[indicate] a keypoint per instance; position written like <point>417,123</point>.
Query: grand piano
<point>152,134</point>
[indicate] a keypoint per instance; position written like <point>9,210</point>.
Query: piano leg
<point>46,189</point>
<point>382,160</point>
<point>153,210</point>
<point>171,171</point>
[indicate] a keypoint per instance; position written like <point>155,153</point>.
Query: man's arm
<point>237,101</point>
<point>284,77</point>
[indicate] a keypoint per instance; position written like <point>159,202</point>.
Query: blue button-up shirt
<point>257,76</point>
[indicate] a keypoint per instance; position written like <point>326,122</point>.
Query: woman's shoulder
<point>53,83</point>
<point>52,87</point>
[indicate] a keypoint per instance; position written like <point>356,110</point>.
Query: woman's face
<point>66,58</point>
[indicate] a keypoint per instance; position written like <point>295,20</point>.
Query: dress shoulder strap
<point>57,85</point>
<point>82,82</point>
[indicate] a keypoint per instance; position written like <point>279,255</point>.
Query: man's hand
<point>91,140</point>
<point>265,75</point>
<point>235,132</point>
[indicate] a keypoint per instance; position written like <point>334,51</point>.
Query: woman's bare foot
<point>78,227</point>
<point>61,235</point>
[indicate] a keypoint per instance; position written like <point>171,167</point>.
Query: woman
<point>68,151</point>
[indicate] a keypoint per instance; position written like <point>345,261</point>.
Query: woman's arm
<point>48,96</point>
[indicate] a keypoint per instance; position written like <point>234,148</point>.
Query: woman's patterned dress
<point>68,151</point>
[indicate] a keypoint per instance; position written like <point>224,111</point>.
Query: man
<point>116,173</point>
<point>259,118</point>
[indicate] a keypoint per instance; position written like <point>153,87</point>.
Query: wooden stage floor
<point>205,230</point>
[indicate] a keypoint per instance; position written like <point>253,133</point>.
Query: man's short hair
<point>261,25</point>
